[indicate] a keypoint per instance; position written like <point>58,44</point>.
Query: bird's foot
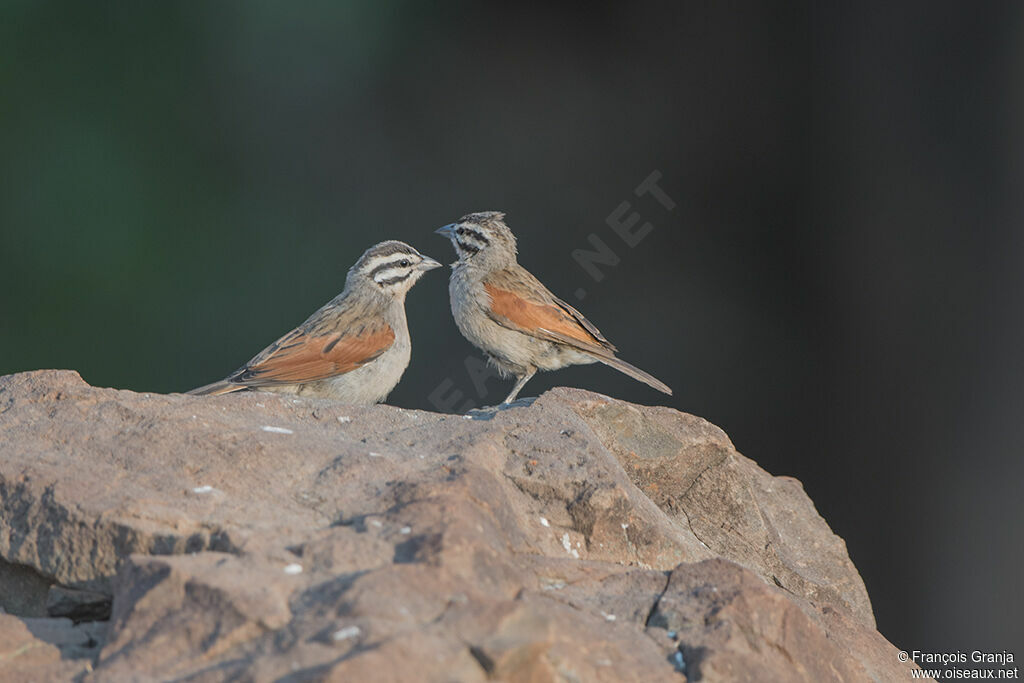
<point>488,412</point>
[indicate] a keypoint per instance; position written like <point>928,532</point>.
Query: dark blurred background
<point>839,284</point>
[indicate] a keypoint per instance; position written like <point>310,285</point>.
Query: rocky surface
<point>260,537</point>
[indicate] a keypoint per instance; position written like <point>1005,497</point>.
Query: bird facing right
<point>355,348</point>
<point>506,312</point>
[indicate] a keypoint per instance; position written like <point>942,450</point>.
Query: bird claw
<point>488,412</point>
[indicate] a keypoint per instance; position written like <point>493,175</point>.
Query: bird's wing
<point>307,354</point>
<point>520,302</point>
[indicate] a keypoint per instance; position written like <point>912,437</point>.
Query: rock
<point>733,627</point>
<point>24,656</point>
<point>75,641</point>
<point>77,605</point>
<point>264,537</point>
<point>23,590</point>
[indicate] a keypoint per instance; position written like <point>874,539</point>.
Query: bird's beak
<point>447,230</point>
<point>428,264</point>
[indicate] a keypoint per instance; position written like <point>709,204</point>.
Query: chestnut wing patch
<point>596,333</point>
<point>556,321</point>
<point>299,357</point>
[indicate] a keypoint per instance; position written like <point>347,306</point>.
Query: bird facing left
<point>353,349</point>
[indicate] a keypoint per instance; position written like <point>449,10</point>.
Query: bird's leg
<point>520,382</point>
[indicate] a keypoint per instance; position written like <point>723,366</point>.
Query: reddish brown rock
<point>258,536</point>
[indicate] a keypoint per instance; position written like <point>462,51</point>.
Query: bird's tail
<point>216,388</point>
<point>634,372</point>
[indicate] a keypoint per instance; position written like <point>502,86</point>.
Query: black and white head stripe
<point>471,238</point>
<point>482,234</point>
<point>389,263</point>
<point>483,217</point>
<point>475,231</point>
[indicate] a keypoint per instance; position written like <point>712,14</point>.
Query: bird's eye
<point>404,263</point>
